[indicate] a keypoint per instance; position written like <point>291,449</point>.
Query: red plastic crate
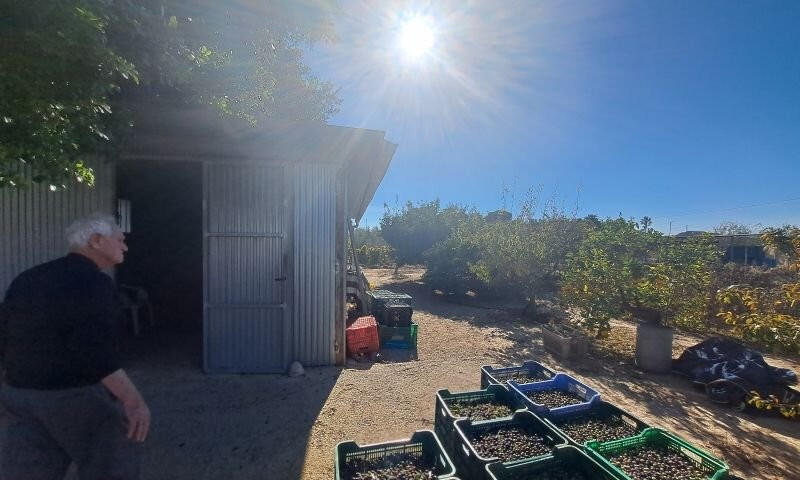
<point>362,336</point>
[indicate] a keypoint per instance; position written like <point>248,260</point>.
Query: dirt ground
<point>210,427</point>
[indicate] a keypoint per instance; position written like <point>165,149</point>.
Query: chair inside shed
<point>165,255</point>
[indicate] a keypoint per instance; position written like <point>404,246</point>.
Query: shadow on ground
<point>754,446</point>
<point>222,426</point>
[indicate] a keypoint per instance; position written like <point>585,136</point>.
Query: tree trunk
<point>530,308</point>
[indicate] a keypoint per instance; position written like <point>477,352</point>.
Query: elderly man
<point>67,396</point>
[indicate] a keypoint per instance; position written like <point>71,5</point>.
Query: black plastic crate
<point>500,375</point>
<point>473,464</point>
<point>568,458</point>
<point>600,409</point>
<point>379,297</point>
<point>444,417</point>
<point>422,444</point>
<point>394,313</point>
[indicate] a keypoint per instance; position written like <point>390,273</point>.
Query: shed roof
<point>178,132</point>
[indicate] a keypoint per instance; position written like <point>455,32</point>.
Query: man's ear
<point>94,240</point>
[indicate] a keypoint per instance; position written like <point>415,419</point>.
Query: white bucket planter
<point>653,347</point>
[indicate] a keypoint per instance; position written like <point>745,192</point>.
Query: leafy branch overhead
<point>67,67</point>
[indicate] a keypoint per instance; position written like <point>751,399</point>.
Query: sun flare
<point>416,37</point>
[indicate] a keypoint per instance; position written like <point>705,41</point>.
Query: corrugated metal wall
<point>244,314</point>
<point>33,220</point>
<point>314,248</point>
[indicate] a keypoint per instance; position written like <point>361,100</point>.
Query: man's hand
<point>138,416</point>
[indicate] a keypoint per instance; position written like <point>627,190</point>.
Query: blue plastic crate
<point>499,376</point>
<point>472,465</point>
<point>560,381</point>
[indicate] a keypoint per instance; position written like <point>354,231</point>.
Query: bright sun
<point>416,37</point>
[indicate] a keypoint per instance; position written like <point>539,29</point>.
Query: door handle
<point>280,279</point>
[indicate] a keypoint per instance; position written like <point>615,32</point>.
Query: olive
<point>510,443</point>
<point>652,462</point>
<point>554,398</point>
<point>596,426</point>
<point>390,467</point>
<point>479,409</point>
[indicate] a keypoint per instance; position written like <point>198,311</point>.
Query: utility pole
<point>670,227</point>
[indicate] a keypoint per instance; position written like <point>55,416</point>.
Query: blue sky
<point>685,111</point>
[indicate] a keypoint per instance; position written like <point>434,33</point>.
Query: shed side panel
<point>314,282</point>
<point>33,220</point>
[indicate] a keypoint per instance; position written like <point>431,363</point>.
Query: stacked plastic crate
<point>393,312</point>
<point>602,440</point>
<point>528,421</point>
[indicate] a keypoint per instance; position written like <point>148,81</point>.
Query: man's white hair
<point>81,230</point>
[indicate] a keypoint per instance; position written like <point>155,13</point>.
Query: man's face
<point>110,248</point>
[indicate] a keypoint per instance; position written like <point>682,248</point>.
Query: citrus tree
<point>620,266</point>
<point>769,316</point>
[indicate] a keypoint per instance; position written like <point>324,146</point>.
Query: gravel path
<point>275,427</point>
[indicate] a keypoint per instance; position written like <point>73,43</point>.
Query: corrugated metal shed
<point>320,177</point>
<point>314,280</point>
<point>276,201</point>
<point>33,220</point>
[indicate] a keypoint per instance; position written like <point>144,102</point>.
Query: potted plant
<point>564,340</point>
<point>655,300</point>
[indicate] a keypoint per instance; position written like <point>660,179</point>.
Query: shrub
<point>375,255</point>
<point>620,266</point>
<point>768,314</point>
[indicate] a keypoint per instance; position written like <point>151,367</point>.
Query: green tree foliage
<point>620,266</point>
<point>732,228</point>
<point>375,256</point>
<point>368,236</point>
<point>768,315</point>
<point>58,74</point>
<point>526,256</point>
<point>414,229</point>
<point>66,67</point>
<point>451,265</point>
<point>520,258</point>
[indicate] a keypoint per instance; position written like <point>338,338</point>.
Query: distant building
<point>498,216</point>
<point>745,249</point>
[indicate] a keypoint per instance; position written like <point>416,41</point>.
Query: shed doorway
<point>165,249</point>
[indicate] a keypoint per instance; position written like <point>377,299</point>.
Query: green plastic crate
<point>423,443</point>
<point>569,457</point>
<point>601,408</point>
<point>444,417</point>
<point>714,468</point>
<point>473,465</point>
<point>398,337</point>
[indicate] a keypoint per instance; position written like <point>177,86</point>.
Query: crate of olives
<point>657,455</point>
<point>566,463</point>
<point>420,456</point>
<point>495,401</point>
<point>528,372</point>
<point>560,395</point>
<point>601,422</point>
<point>523,437</point>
